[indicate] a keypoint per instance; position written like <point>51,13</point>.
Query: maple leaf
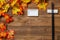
<point>5,7</point>
<point>10,34</point>
<point>15,10</point>
<point>2,27</point>
<point>42,6</point>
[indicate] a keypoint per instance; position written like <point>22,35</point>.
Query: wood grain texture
<point>36,28</point>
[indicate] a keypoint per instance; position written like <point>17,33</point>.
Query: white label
<point>50,10</point>
<point>32,12</point>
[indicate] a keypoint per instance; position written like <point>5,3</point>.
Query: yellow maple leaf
<point>6,7</point>
<point>42,5</point>
<point>15,10</point>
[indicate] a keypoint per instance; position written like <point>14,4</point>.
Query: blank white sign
<point>50,10</point>
<point>32,12</point>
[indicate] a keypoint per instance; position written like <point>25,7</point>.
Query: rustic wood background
<point>36,28</point>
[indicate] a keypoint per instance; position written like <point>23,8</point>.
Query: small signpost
<point>53,26</point>
<point>52,11</point>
